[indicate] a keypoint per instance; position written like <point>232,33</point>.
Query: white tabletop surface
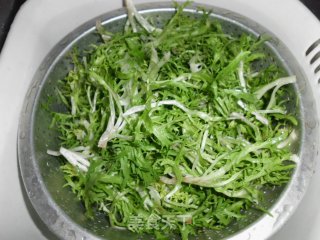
<point>38,26</point>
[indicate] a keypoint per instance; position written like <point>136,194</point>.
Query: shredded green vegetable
<point>173,129</point>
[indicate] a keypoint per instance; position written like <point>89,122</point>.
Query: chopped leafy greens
<point>174,129</point>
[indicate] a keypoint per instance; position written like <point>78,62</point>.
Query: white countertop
<point>38,26</point>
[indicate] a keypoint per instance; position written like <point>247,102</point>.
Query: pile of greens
<point>173,129</point>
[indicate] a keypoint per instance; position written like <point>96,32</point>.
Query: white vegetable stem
<point>75,158</point>
<point>105,136</point>
<point>170,194</point>
<point>130,7</point>
<point>277,83</point>
<point>175,103</point>
<point>240,116</point>
<point>132,11</point>
<point>53,153</point>
<point>73,106</point>
<point>258,115</point>
<point>241,77</point>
